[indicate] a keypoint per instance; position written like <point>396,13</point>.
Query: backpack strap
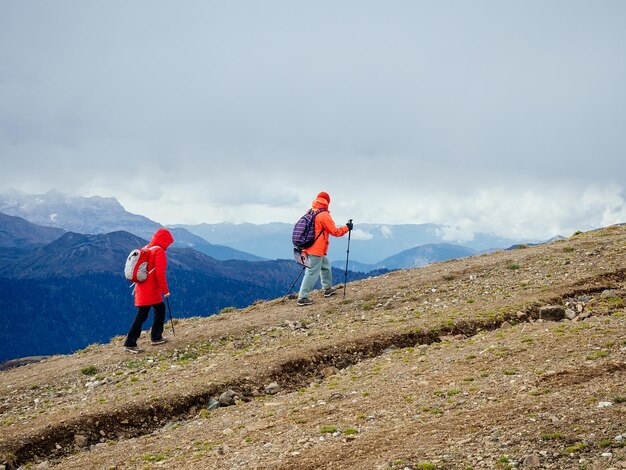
<point>321,231</point>
<point>152,248</point>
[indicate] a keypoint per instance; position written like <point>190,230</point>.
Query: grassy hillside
<point>462,364</point>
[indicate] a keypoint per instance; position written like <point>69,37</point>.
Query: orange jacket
<point>150,291</point>
<point>324,221</point>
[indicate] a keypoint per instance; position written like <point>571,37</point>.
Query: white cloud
<point>386,231</point>
<point>358,234</point>
<point>502,129</point>
<point>521,211</point>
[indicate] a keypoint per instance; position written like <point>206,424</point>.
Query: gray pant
<point>320,266</point>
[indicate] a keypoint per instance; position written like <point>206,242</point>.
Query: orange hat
<point>324,195</point>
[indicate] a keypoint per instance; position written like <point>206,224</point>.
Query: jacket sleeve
<point>329,225</point>
<point>160,268</point>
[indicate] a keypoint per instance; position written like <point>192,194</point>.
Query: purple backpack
<point>303,235</point>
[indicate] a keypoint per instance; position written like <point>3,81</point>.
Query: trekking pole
<point>170,310</point>
<point>294,283</point>
<point>345,277</point>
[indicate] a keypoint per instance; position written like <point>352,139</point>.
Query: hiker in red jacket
<point>150,293</point>
<point>317,253</point>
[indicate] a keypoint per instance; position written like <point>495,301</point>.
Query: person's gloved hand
<point>167,295</point>
<point>350,225</point>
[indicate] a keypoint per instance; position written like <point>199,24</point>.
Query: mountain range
<point>96,215</point>
<point>372,245</point>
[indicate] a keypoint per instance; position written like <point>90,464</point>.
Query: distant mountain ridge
<point>423,255</point>
<point>416,257</point>
<point>372,245</point>
<point>76,214</point>
<point>96,215</point>
<point>16,232</point>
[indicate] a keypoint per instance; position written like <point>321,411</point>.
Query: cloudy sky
<point>507,117</point>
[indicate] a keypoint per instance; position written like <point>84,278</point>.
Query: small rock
<point>80,440</point>
<point>570,314</point>
<point>607,455</point>
<point>604,404</point>
<point>272,389</point>
<point>532,461</point>
<point>228,398</point>
<point>43,466</point>
<point>228,431</point>
<point>608,293</point>
<point>329,371</point>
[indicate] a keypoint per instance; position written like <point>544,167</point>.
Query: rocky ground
<point>515,359</point>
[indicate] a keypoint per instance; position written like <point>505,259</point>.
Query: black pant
<point>156,332</point>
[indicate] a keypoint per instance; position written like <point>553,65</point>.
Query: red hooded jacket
<point>324,221</point>
<point>150,291</point>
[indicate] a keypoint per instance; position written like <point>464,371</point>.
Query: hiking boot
<point>330,291</point>
<point>155,342</point>
<point>304,301</point>
<point>133,349</point>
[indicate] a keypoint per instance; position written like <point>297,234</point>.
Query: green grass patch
<point>153,458</point>
<point>596,355</point>
<point>504,463</point>
<point>426,466</point>
<point>552,436</point>
<point>576,448</point>
<point>188,356</point>
<point>328,429</point>
<point>89,370</point>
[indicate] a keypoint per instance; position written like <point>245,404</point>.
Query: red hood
<point>320,203</point>
<point>162,238</point>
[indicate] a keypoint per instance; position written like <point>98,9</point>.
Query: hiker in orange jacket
<point>317,253</point>
<point>149,293</point>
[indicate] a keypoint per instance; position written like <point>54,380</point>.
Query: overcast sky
<point>508,117</point>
